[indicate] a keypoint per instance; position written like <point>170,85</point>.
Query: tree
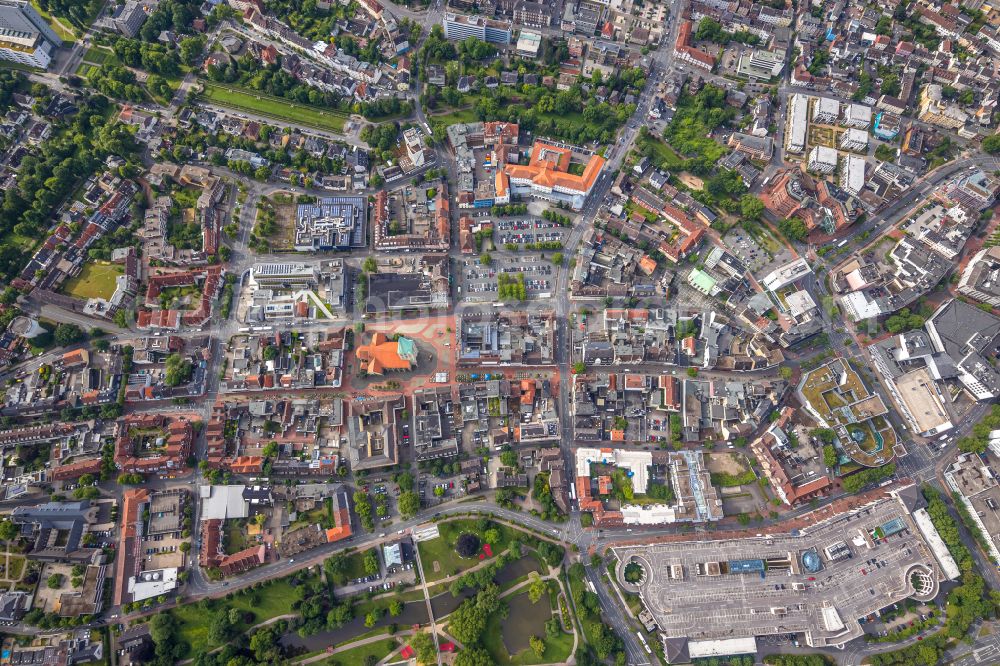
<point>557,258</point>
<point>185,546</point>
<point>467,544</point>
<point>785,372</point>
<point>221,629</point>
<point>751,208</point>
<point>991,144</point>
<point>485,259</point>
<point>825,435</point>
<point>492,535</point>
<point>363,507</point>
<point>537,644</point>
<point>867,477</point>
<point>163,631</point>
<point>976,445</point>
<point>8,530</point>
<point>67,334</point>
<point>395,607</point>
<point>438,491</point>
<point>86,493</point>
<point>370,265</point>
<point>469,619</point>
<point>405,481</point>
<point>579,368</point>
<point>371,618</point>
<point>903,320</point>
<point>423,645</point>
<point>371,562</point>
<point>178,370</point>
<point>793,229</point>
<point>191,48</point>
<point>552,628</point>
<point>508,457</point>
<point>474,657</point>
<point>339,616</point>
<point>409,504</point>
<point>54,581</point>
<point>537,589</point>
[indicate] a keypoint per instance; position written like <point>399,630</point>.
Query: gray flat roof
<point>702,606</point>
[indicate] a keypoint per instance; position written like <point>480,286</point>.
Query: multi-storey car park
<point>714,597</point>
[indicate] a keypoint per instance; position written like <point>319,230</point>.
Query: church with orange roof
<point>383,355</point>
<point>547,176</point>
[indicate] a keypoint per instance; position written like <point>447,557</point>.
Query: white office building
<point>25,38</point>
<point>852,174</point>
<point>285,275</point>
<point>858,115</point>
<point>152,583</point>
<point>786,275</point>
<point>459,26</point>
<point>822,159</point>
<point>798,123</point>
<point>854,139</point>
<point>413,141</point>
<point>826,111</point>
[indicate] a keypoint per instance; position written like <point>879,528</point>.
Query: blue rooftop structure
<point>811,561</point>
<point>894,526</point>
<point>746,566</point>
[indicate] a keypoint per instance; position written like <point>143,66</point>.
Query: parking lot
<point>747,250</point>
<point>866,559</point>
<point>479,282</point>
<point>525,231</point>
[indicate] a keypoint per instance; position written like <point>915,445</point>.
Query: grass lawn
<point>60,26</point>
<point>272,107</point>
<point>442,549</point>
<point>575,117</point>
<point>235,537</point>
<point>355,568</point>
<point>96,280</point>
<point>457,117</point>
<point>557,650</point>
<point>24,243</point>
<point>633,600</point>
<point>274,600</point>
<point>378,649</point>
<point>270,601</point>
<point>10,64</point>
<point>764,238</point>
<point>585,624</point>
<point>15,567</point>
<point>662,153</point>
<point>631,207</point>
<point>417,594</point>
<point>97,55</point>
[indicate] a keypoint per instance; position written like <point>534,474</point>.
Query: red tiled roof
<point>548,168</point>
